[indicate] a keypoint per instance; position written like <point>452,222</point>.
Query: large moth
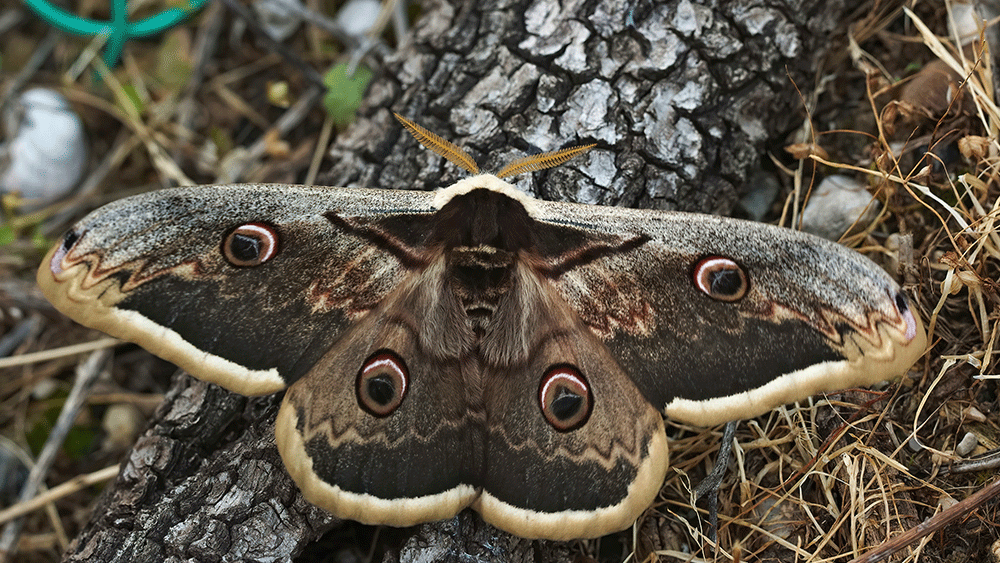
<point>476,347</point>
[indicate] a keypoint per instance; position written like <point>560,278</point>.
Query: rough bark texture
<point>682,106</point>
<point>204,483</point>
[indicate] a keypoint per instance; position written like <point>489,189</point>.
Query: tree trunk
<point>681,105</point>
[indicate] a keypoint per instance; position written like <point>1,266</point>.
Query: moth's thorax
<point>480,277</point>
<point>485,227</point>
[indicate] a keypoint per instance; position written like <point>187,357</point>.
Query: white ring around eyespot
<point>391,364</point>
<point>708,263</point>
<point>388,363</point>
<point>558,376</point>
<point>264,232</point>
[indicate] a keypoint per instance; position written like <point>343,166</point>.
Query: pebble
<point>835,205</point>
<point>967,445</point>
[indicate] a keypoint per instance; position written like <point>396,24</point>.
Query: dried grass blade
<point>56,353</point>
<point>58,492</point>
<point>962,509</point>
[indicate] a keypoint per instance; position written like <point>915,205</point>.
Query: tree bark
<point>681,105</point>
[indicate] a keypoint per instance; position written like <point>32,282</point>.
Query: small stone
<point>975,415</point>
<point>121,424</point>
<point>44,389</point>
<point>964,21</point>
<point>967,445</point>
<point>838,205</point>
<point>946,501</point>
<point>760,196</point>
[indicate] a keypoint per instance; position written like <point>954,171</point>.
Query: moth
<point>475,347</point>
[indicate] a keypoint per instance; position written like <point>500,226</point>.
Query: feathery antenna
<point>459,157</point>
<point>436,144</point>
<point>541,161</point>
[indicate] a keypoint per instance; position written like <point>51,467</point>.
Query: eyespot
<point>382,383</point>
<point>720,278</point>
<point>251,244</point>
<point>565,398</point>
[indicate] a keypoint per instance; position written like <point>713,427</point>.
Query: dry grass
<point>832,479</point>
<point>827,480</point>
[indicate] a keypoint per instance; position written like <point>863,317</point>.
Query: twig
<point>930,525</point>
<point>321,149</point>
<point>86,374</point>
<point>56,353</point>
<point>709,486</point>
<point>320,20</point>
<point>56,493</point>
<point>11,18</point>
<point>19,334</point>
<point>307,70</point>
<point>205,45</point>
<point>39,54</point>
<point>288,120</point>
<point>988,461</point>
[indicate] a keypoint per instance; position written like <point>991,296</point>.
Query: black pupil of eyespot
<point>566,404</point>
<point>245,247</point>
<point>70,239</point>
<point>381,389</point>
<point>726,282</point>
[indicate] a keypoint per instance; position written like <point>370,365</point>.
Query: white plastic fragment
<point>45,152</point>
